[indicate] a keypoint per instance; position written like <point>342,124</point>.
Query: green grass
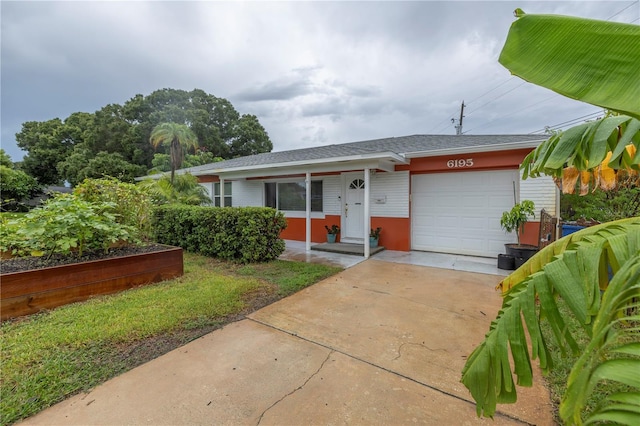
<point>50,356</point>
<point>557,378</point>
<point>290,277</point>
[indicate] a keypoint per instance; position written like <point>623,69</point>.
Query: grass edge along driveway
<point>48,357</point>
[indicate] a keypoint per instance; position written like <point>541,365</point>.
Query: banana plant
<point>596,271</point>
<point>591,61</point>
<point>575,268</point>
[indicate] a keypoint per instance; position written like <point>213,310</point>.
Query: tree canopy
<point>15,185</point>
<point>63,150</point>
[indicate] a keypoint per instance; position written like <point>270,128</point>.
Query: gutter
<point>468,149</point>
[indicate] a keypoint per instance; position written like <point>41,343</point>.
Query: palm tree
<point>185,189</point>
<point>177,137</point>
<point>595,271</point>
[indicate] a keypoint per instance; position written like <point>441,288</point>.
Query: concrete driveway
<point>379,343</point>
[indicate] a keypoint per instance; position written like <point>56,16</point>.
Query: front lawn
<point>50,356</point>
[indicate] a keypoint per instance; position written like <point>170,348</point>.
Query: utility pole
<point>459,125</point>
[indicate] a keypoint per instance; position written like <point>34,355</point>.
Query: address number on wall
<point>459,163</point>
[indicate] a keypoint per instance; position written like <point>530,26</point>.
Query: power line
<point>516,112</point>
<point>489,91</point>
<point>497,97</point>
<point>440,126</point>
<point>622,10</point>
<point>448,120</point>
<point>518,86</point>
<point>569,122</point>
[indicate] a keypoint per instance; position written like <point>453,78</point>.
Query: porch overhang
<point>384,161</point>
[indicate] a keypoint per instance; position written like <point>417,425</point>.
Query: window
<point>227,194</point>
<point>291,196</point>
<point>357,184</point>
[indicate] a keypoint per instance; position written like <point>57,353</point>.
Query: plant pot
<point>506,262</point>
<point>520,252</point>
<point>373,242</point>
<point>331,238</point>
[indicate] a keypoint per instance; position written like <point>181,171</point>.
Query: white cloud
<point>312,72</point>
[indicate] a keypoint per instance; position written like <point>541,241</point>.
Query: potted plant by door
<point>374,237</point>
<point>514,220</point>
<point>332,233</point>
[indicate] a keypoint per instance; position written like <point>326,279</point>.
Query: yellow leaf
<point>569,179</point>
<point>585,178</point>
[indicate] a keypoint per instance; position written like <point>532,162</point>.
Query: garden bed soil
<point>21,264</point>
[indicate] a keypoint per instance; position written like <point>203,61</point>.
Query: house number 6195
<point>460,163</point>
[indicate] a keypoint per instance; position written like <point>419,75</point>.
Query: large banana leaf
<point>574,268</point>
<point>588,60</point>
<point>612,354</point>
<point>548,253</point>
<point>598,154</point>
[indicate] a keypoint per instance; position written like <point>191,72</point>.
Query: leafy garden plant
<point>131,204</point>
<point>334,230</point>
<point>515,219</point>
<point>375,233</point>
<point>65,224</point>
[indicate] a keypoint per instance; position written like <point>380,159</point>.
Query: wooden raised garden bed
<point>28,292</point>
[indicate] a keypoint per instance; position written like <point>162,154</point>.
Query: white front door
<point>354,208</point>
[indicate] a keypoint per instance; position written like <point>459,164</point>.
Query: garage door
<point>460,212</point>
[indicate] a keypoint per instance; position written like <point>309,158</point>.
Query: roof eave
<point>483,148</point>
<point>389,156</point>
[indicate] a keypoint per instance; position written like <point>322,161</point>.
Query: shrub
<point>62,224</point>
<point>15,186</point>
<point>184,189</point>
<point>132,204</point>
<point>245,234</point>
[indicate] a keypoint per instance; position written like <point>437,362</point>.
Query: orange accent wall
<point>296,228</point>
<point>481,161</point>
<point>395,233</point>
<point>394,236</point>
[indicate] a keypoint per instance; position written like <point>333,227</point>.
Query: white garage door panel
<point>460,212</point>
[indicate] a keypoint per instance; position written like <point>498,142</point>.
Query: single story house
<point>427,192</point>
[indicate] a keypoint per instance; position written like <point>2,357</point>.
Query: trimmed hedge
<point>244,234</point>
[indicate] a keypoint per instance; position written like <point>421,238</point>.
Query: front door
<point>354,208</point>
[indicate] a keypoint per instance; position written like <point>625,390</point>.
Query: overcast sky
<point>313,73</point>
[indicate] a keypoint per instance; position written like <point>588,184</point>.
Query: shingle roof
<point>399,145</point>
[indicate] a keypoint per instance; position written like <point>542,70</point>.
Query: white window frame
<point>228,194</point>
<point>294,213</point>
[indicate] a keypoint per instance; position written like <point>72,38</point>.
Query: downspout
<point>308,212</point>
<point>367,214</point>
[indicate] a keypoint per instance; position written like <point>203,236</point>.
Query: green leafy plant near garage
<point>596,271</point>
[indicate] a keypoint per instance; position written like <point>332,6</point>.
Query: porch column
<point>221,191</point>
<point>308,211</point>
<point>367,214</point>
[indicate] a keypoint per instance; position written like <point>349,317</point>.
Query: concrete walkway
<point>379,343</point>
<point>295,250</point>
